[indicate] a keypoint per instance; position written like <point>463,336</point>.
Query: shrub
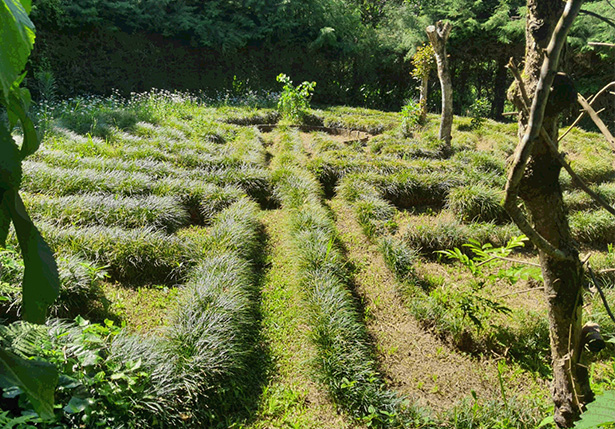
<point>479,110</point>
<point>294,101</point>
<point>411,118</point>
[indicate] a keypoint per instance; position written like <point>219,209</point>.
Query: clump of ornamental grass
<point>370,121</point>
<point>390,145</point>
<point>202,200</point>
<point>41,178</point>
<point>248,116</point>
<point>80,284</point>
<point>577,200</point>
<point>157,212</point>
<point>480,161</point>
<point>508,412</point>
<point>139,255</point>
<point>477,203</point>
<point>376,216</point>
<point>400,258</point>
<point>594,228</point>
<point>358,186</point>
<point>591,168</point>
<point>202,367</point>
<point>409,189</point>
<point>434,234</point>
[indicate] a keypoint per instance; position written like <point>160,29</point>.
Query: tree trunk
<point>499,90</point>
<point>438,35</point>
<point>542,195</point>
<point>423,96</point>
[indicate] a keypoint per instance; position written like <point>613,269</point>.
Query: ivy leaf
<point>41,284</point>
<point>17,35</point>
<point>37,379</point>
<point>599,413</point>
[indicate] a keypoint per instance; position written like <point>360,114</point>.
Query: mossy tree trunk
<point>540,191</point>
<point>438,36</point>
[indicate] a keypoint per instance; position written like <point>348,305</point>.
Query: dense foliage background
<point>357,50</point>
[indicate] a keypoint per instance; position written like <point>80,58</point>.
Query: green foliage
<point>40,280</point>
<point>600,412</point>
<point>93,388</point>
<point>411,118</point>
<point>479,110</point>
<point>473,304</point>
<point>423,62</point>
<point>294,101</point>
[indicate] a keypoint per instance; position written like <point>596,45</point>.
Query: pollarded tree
<point>534,177</point>
<point>438,35</point>
<point>423,61</point>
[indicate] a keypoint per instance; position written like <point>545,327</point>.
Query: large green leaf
<point>35,378</point>
<point>5,220</point>
<point>10,161</point>
<point>599,413</point>
<point>41,284</point>
<point>16,41</point>
<point>19,102</point>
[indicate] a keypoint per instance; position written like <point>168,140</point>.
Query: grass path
<point>291,399</point>
<point>413,361</point>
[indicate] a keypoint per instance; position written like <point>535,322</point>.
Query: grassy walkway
<point>291,399</point>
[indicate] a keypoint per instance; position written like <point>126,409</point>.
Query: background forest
<point>358,50</point>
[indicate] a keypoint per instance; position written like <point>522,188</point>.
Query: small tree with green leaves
<point>294,101</point>
<point>41,284</point>
<point>423,62</point>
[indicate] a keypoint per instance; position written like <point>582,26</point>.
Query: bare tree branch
<point>583,112</point>
<point>592,114</point>
<point>600,17</point>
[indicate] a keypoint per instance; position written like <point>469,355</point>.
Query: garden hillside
<point>358,50</point>
<point>222,267</point>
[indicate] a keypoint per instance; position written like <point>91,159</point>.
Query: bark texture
<point>542,195</point>
<point>438,36</point>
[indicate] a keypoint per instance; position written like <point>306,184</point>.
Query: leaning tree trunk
<point>438,35</point>
<point>540,191</point>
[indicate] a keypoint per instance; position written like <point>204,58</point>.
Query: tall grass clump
<point>137,256</point>
<point>477,203</point>
<point>203,366</point>
<point>41,178</point>
<point>594,228</point>
<point>157,212</point>
<point>80,285</point>
<point>440,233</point>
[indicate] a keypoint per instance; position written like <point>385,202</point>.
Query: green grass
<point>157,212</point>
<point>345,362</point>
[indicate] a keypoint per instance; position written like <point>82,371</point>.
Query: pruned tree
<point>438,35</point>
<point>534,177</point>
<point>423,61</point>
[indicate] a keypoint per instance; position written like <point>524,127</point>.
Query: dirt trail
<point>292,398</point>
<point>414,362</point>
